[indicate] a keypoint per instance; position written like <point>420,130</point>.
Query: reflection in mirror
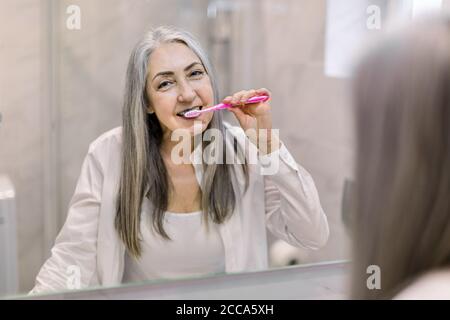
<point>67,66</point>
<point>325,280</point>
<point>142,211</point>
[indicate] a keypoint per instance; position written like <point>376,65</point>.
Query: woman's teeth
<point>182,113</point>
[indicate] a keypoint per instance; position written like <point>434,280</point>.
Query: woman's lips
<point>182,113</point>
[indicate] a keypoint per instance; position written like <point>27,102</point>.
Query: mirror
<point>62,84</point>
<point>326,280</point>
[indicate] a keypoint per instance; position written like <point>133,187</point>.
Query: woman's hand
<point>255,116</point>
<point>248,115</point>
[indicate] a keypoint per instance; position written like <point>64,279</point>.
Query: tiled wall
<point>312,111</point>
<point>21,130</point>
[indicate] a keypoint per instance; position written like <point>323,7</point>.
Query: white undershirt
<point>191,251</point>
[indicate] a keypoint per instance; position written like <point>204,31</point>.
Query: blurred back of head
<point>401,221</point>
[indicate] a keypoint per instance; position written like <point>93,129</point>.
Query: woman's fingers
<point>247,115</point>
<point>243,96</point>
<point>247,95</point>
<point>237,97</point>
<point>237,111</point>
<point>227,100</point>
<point>239,114</point>
<point>263,92</point>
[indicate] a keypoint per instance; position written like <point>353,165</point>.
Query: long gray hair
<point>402,217</point>
<point>142,164</point>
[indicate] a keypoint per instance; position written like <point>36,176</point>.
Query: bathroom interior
<point>61,86</point>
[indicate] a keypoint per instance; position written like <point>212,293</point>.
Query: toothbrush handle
<point>226,105</point>
<point>255,99</point>
<point>221,106</point>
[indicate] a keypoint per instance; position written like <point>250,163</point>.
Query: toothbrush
<point>196,113</point>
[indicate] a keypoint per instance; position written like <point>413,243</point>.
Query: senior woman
<point>137,214</point>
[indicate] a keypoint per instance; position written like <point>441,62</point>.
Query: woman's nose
<point>187,93</point>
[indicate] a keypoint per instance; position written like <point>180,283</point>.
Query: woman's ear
<point>149,106</point>
<point>147,103</point>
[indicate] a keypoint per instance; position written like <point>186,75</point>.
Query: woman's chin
<point>193,126</point>
<point>197,128</point>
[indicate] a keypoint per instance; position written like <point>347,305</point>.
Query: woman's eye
<point>163,84</point>
<point>197,73</point>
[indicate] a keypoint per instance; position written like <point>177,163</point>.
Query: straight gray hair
<point>401,221</point>
<point>142,164</point>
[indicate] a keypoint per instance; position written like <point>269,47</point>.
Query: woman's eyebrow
<point>168,73</point>
<point>191,65</point>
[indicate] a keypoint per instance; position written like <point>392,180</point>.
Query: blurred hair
<point>401,218</point>
<point>142,164</point>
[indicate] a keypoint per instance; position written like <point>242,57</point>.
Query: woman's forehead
<point>171,57</point>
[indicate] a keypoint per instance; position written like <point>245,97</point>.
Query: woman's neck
<point>167,145</point>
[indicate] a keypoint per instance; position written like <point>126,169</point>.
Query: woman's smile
<point>178,83</point>
<point>182,113</point>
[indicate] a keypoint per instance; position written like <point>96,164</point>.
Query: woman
<point>402,217</point>
<point>137,214</point>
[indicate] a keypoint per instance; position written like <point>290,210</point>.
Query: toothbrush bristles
<point>191,114</point>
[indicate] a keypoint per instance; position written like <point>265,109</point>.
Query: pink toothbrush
<point>196,113</point>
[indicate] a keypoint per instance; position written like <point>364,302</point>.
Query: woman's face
<point>176,81</point>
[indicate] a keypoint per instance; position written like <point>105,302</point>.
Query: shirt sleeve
<point>293,210</point>
<point>72,264</point>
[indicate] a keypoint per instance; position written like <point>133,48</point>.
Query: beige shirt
<point>286,203</point>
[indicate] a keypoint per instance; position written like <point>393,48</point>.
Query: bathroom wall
<point>312,111</point>
<point>280,45</point>
<point>22,37</point>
